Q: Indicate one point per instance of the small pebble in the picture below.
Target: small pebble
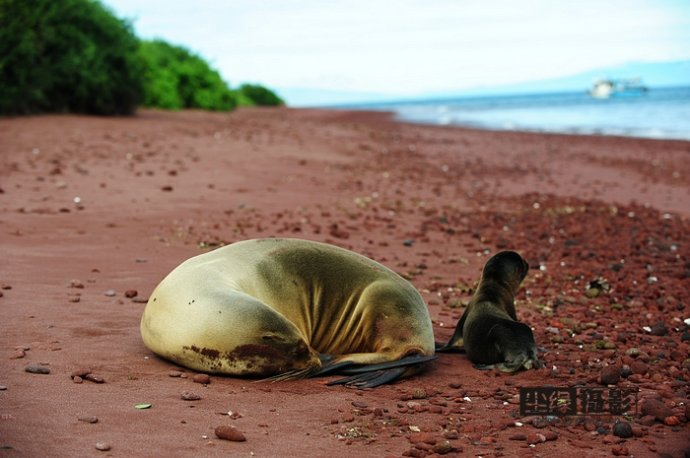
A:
(37, 369)
(3, 387)
(229, 433)
(656, 409)
(190, 396)
(204, 379)
(419, 393)
(94, 378)
(18, 354)
(130, 293)
(610, 375)
(671, 420)
(443, 447)
(88, 419)
(535, 438)
(76, 379)
(622, 429)
(103, 446)
(110, 293)
(620, 450)
(81, 372)
(174, 373)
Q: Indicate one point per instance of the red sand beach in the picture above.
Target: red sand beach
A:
(94, 212)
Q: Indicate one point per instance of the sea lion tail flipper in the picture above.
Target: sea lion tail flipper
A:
(410, 360)
(371, 375)
(370, 379)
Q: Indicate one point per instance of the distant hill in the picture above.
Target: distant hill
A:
(653, 74)
(660, 74)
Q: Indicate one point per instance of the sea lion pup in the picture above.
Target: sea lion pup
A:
(488, 331)
(286, 309)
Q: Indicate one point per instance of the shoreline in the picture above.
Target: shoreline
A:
(93, 208)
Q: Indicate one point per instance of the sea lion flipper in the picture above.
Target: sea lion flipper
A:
(329, 366)
(447, 348)
(456, 342)
(370, 379)
(402, 362)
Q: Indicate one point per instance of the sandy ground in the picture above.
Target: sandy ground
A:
(94, 212)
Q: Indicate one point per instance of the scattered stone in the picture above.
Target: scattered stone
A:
(103, 446)
(620, 450)
(419, 393)
(167, 188)
(671, 420)
(94, 378)
(610, 375)
(37, 369)
(81, 372)
(89, 419)
(408, 242)
(535, 438)
(204, 379)
(190, 396)
(131, 293)
(443, 447)
(633, 352)
(550, 435)
(659, 329)
(639, 367)
(622, 429)
(110, 293)
(76, 379)
(18, 354)
(3, 387)
(229, 433)
(76, 284)
(518, 437)
(174, 373)
(611, 439)
(656, 409)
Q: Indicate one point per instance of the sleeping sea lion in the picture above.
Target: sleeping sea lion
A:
(488, 331)
(289, 308)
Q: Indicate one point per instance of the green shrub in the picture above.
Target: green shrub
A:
(260, 95)
(66, 56)
(174, 78)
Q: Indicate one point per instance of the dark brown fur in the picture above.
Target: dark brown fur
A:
(489, 331)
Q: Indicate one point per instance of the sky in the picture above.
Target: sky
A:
(403, 48)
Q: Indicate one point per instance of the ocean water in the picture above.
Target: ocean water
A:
(659, 113)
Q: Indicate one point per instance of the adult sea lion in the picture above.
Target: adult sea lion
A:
(488, 331)
(289, 308)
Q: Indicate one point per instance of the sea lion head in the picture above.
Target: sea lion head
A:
(507, 267)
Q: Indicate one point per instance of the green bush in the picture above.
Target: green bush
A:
(260, 95)
(66, 56)
(174, 78)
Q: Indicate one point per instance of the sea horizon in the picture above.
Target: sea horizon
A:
(659, 112)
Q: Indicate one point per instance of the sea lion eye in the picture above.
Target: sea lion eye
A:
(270, 337)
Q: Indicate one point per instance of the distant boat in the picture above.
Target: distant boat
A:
(606, 88)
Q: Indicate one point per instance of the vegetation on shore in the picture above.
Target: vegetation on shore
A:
(76, 56)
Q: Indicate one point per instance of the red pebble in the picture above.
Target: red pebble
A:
(229, 433)
(671, 420)
(204, 379)
(619, 450)
(535, 438)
